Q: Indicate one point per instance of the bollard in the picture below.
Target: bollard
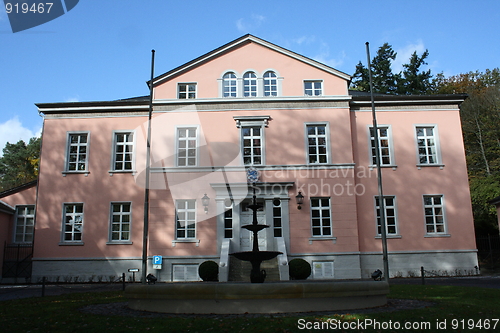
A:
(123, 281)
(422, 273)
(43, 286)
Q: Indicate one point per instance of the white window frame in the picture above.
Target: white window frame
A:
(316, 88)
(316, 137)
(69, 144)
(321, 270)
(189, 272)
(121, 224)
(131, 145)
(253, 156)
(394, 216)
(189, 94)
(435, 216)
(390, 148)
(230, 81)
(321, 218)
(270, 85)
(437, 145)
(247, 82)
(182, 224)
(24, 224)
(178, 144)
(75, 217)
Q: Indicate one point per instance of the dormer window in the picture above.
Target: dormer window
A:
(186, 90)
(270, 84)
(229, 84)
(250, 84)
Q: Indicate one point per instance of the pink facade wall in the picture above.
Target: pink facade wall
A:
(347, 179)
(257, 58)
(409, 183)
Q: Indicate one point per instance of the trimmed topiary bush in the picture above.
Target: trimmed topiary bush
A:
(209, 271)
(300, 269)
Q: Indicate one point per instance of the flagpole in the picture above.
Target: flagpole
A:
(148, 166)
(381, 202)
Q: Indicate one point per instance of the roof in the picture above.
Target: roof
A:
(6, 208)
(18, 188)
(238, 43)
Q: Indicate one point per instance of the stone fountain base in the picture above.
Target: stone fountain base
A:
(273, 297)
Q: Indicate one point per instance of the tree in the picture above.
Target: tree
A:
(19, 163)
(480, 116)
(412, 80)
(384, 81)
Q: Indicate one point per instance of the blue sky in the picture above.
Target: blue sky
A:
(101, 50)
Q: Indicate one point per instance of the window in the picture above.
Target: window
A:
(250, 84)
(252, 145)
(123, 151)
(434, 214)
(228, 219)
(185, 273)
(120, 221)
(73, 222)
(187, 143)
(25, 224)
(187, 90)
(77, 157)
(270, 84)
(320, 217)
(322, 269)
(229, 85)
(427, 145)
(389, 213)
(384, 144)
(185, 219)
(317, 144)
(277, 218)
(313, 88)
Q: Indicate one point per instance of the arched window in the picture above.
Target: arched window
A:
(250, 84)
(229, 84)
(270, 84)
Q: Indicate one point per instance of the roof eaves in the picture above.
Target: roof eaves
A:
(18, 188)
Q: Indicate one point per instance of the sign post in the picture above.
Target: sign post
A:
(157, 262)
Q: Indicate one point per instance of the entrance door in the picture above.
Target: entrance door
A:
(246, 236)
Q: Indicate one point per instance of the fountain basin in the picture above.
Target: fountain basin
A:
(240, 298)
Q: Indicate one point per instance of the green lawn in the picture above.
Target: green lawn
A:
(459, 308)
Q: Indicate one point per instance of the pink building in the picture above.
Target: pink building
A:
(247, 104)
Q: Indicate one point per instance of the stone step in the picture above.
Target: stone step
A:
(239, 270)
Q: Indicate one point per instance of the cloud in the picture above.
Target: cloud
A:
(13, 130)
(245, 25)
(326, 58)
(404, 54)
(73, 99)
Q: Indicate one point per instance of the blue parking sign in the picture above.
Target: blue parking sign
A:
(157, 260)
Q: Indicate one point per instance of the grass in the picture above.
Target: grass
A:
(457, 307)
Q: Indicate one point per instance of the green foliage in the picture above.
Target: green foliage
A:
(411, 81)
(19, 163)
(480, 115)
(209, 271)
(299, 269)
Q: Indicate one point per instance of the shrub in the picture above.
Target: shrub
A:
(299, 269)
(209, 271)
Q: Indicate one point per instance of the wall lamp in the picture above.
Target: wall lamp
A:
(300, 200)
(205, 201)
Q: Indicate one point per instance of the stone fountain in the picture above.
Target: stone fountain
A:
(256, 257)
